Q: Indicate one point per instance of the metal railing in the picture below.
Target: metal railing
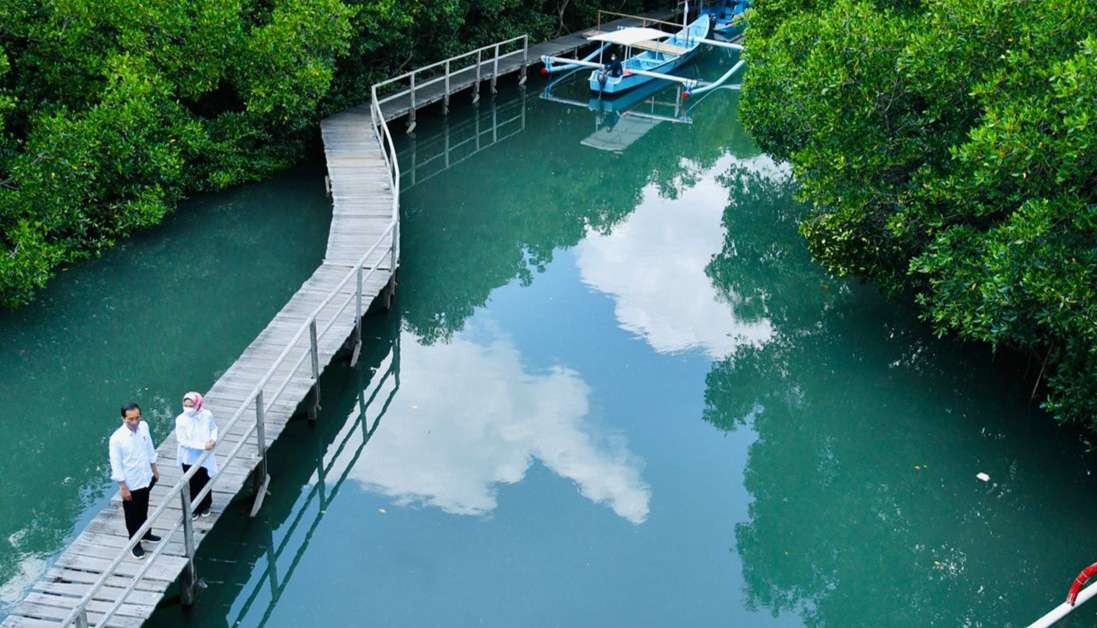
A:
(474, 62)
(644, 20)
(278, 582)
(79, 614)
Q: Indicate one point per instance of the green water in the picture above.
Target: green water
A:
(613, 390)
(163, 313)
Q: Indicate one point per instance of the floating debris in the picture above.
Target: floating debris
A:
(982, 476)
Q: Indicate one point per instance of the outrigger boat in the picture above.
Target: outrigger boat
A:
(662, 53)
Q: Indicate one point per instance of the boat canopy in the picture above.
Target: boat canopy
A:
(629, 36)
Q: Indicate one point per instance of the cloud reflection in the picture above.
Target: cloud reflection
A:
(653, 265)
(469, 418)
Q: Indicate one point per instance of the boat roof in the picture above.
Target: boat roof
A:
(629, 36)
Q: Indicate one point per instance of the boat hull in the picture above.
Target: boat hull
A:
(662, 63)
(728, 20)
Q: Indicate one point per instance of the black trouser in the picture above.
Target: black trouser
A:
(136, 510)
(197, 483)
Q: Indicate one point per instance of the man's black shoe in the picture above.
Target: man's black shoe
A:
(150, 537)
(138, 551)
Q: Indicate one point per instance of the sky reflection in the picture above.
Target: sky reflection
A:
(470, 418)
(653, 267)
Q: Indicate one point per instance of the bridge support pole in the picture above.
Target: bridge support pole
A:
(261, 479)
(314, 403)
(189, 576)
(82, 618)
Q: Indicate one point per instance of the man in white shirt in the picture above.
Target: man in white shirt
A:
(133, 466)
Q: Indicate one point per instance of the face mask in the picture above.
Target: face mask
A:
(189, 411)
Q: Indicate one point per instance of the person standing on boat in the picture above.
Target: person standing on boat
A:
(133, 466)
(196, 433)
(614, 68)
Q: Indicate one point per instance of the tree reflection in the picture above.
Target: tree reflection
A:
(865, 506)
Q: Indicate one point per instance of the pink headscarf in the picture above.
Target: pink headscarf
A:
(196, 398)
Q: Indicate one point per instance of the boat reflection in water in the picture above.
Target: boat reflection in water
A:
(621, 121)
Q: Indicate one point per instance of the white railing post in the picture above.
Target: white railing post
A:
(357, 320)
(82, 618)
(314, 352)
(476, 86)
(495, 70)
(261, 478)
(445, 104)
(187, 580)
(523, 73)
(411, 112)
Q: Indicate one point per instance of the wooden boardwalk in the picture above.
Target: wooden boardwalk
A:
(362, 211)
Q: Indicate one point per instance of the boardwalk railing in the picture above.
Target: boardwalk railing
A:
(437, 81)
(644, 20)
(321, 491)
(362, 270)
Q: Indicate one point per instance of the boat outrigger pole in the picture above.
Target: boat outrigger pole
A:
(568, 64)
(720, 44)
(688, 82)
(704, 87)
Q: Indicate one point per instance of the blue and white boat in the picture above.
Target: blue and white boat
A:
(728, 17)
(661, 53)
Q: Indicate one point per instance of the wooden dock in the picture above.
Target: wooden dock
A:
(95, 581)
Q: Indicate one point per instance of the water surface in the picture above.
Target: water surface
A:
(615, 390)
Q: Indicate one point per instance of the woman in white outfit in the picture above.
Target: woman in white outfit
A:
(196, 433)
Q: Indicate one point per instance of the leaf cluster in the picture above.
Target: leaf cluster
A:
(949, 150)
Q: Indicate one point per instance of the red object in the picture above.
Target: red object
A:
(544, 72)
(1079, 582)
(685, 95)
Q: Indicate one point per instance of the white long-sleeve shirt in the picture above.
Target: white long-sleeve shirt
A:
(132, 456)
(191, 434)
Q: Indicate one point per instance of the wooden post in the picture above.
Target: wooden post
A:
(495, 70)
(261, 478)
(411, 112)
(314, 406)
(476, 85)
(189, 575)
(445, 104)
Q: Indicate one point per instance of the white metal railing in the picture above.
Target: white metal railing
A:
(79, 614)
(411, 84)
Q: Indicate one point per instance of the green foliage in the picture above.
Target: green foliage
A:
(949, 149)
(111, 111)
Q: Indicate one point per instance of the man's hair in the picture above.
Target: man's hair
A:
(130, 406)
